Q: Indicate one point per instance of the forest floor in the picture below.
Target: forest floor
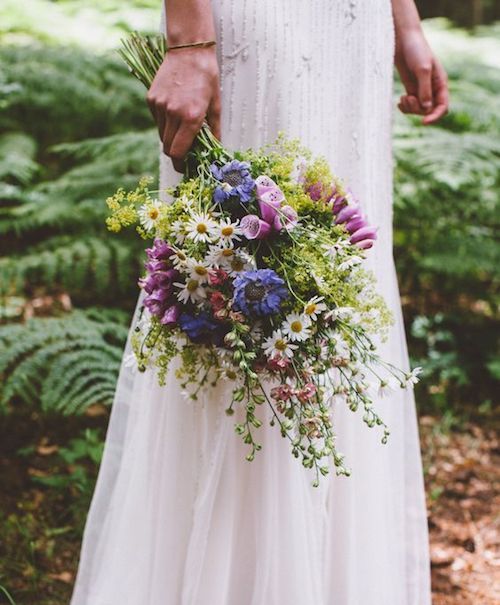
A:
(463, 477)
(39, 548)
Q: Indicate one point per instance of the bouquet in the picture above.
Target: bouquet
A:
(255, 276)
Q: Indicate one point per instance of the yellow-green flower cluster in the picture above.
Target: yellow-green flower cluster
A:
(123, 206)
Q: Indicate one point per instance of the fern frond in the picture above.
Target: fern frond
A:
(67, 363)
(17, 158)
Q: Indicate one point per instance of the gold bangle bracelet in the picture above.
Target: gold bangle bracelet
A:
(206, 44)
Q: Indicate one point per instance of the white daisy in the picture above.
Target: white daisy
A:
(200, 226)
(220, 256)
(231, 260)
(297, 326)
(149, 214)
(179, 259)
(277, 345)
(239, 262)
(314, 307)
(413, 377)
(192, 291)
(198, 270)
(179, 231)
(227, 232)
(384, 388)
(351, 262)
(333, 250)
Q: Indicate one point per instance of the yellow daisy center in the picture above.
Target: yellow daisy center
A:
(296, 326)
(201, 228)
(200, 270)
(227, 252)
(192, 285)
(280, 344)
(227, 230)
(153, 213)
(181, 255)
(310, 308)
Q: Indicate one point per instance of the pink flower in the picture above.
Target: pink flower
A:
(287, 218)
(269, 203)
(217, 301)
(365, 244)
(365, 233)
(347, 213)
(306, 392)
(283, 392)
(264, 183)
(320, 192)
(278, 363)
(254, 227)
(217, 277)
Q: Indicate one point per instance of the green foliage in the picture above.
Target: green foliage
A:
(76, 462)
(62, 364)
(447, 186)
(66, 94)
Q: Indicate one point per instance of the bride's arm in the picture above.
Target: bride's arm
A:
(423, 77)
(186, 87)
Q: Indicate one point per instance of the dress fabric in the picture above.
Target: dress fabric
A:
(179, 517)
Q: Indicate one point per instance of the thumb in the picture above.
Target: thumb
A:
(424, 83)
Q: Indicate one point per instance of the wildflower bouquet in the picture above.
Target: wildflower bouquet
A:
(255, 275)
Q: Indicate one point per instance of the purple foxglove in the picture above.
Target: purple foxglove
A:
(356, 223)
(171, 315)
(364, 233)
(365, 244)
(156, 265)
(347, 213)
(338, 204)
(287, 218)
(160, 250)
(269, 203)
(254, 227)
(263, 184)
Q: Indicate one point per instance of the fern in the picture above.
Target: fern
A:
(65, 364)
(102, 267)
(79, 93)
(17, 153)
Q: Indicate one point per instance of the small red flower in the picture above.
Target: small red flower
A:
(217, 277)
(217, 301)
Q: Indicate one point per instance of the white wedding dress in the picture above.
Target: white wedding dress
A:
(179, 517)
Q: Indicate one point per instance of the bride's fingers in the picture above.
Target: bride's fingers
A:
(410, 104)
(171, 127)
(182, 141)
(441, 96)
(424, 79)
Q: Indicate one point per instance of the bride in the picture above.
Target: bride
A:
(179, 517)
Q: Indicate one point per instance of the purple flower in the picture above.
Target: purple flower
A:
(236, 181)
(347, 213)
(160, 250)
(254, 227)
(319, 191)
(286, 219)
(171, 315)
(357, 222)
(259, 292)
(365, 233)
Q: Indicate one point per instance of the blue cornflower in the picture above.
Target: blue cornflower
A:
(201, 328)
(259, 292)
(236, 181)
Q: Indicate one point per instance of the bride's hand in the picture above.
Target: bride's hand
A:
(423, 77)
(183, 94)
